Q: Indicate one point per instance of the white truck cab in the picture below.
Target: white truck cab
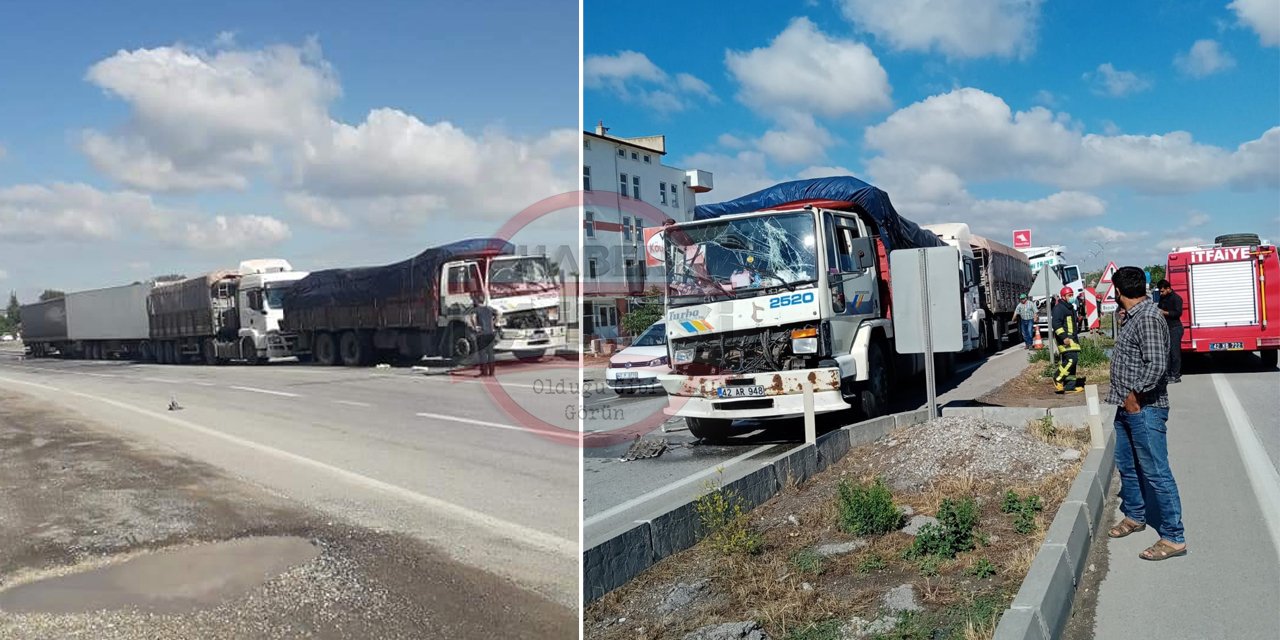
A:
(524, 291)
(262, 287)
(974, 324)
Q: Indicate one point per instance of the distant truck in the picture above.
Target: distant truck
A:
(1003, 274)
(976, 334)
(1231, 296)
(784, 288)
(96, 325)
(1053, 256)
(420, 307)
(222, 316)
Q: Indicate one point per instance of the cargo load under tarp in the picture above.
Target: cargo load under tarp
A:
(896, 231)
(197, 307)
(403, 294)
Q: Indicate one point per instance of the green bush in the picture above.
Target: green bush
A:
(807, 561)
(873, 562)
(867, 509)
(983, 569)
(953, 533)
(825, 630)
(1024, 510)
(728, 530)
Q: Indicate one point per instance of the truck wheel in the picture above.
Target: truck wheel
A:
(710, 430)
(249, 351)
(171, 352)
(984, 338)
(1269, 359)
(873, 397)
(144, 352)
(210, 352)
(462, 346)
(354, 349)
(325, 350)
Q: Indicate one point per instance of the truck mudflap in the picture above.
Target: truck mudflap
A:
(773, 394)
(531, 339)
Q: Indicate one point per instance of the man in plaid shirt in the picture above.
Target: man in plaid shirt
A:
(1138, 386)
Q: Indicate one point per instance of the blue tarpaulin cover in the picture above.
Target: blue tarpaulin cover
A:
(896, 231)
(415, 277)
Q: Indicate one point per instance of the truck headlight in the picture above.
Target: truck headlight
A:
(683, 356)
(804, 340)
(553, 314)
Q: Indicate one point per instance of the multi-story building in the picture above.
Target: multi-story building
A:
(627, 190)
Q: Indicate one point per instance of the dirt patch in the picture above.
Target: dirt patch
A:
(73, 497)
(1031, 389)
(792, 591)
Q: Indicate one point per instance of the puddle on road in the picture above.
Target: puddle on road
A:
(173, 581)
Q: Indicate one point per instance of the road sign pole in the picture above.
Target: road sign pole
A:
(929, 381)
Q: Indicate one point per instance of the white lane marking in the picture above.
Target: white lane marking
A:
(353, 403)
(102, 375)
(1262, 475)
(516, 532)
(616, 509)
(496, 425)
(444, 377)
(269, 392)
(33, 384)
(203, 384)
(164, 380)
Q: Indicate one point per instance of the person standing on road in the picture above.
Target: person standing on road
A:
(484, 319)
(1026, 312)
(1081, 316)
(1171, 308)
(1139, 363)
(1066, 335)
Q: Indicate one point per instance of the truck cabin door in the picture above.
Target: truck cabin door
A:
(253, 313)
(851, 259)
(462, 280)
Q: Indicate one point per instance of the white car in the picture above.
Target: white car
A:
(638, 366)
(6, 338)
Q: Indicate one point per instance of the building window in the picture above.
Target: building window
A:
(635, 156)
(591, 269)
(586, 178)
(589, 229)
(626, 227)
(635, 187)
(646, 158)
(622, 153)
(639, 229)
(606, 315)
(662, 192)
(622, 184)
(675, 197)
(586, 144)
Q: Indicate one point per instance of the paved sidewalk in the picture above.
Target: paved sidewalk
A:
(1228, 586)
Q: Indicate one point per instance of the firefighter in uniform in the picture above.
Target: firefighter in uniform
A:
(1067, 336)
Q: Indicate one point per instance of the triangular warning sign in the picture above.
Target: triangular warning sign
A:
(1107, 273)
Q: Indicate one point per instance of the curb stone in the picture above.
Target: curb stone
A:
(614, 562)
(1042, 606)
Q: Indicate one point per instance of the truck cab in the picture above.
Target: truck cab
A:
(260, 302)
(974, 324)
(524, 291)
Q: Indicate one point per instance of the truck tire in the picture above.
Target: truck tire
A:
(873, 396)
(210, 352)
(1269, 358)
(170, 352)
(354, 349)
(145, 354)
(325, 349)
(249, 351)
(710, 430)
(462, 345)
(1238, 240)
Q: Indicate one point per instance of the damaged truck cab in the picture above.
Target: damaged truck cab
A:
(782, 289)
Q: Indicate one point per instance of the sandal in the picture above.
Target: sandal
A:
(1125, 528)
(1162, 550)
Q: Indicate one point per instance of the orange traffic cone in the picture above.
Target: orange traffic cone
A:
(1038, 344)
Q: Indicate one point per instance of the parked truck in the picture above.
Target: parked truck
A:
(1231, 296)
(421, 306)
(976, 335)
(98, 324)
(222, 316)
(784, 288)
(1003, 273)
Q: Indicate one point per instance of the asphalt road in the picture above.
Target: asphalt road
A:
(487, 474)
(617, 493)
(1224, 437)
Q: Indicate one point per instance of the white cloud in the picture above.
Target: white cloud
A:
(4, 275)
(204, 120)
(976, 136)
(804, 70)
(1108, 234)
(1205, 58)
(633, 77)
(955, 28)
(75, 212)
(1045, 98)
(1197, 219)
(730, 141)
(798, 140)
(1108, 80)
(1263, 16)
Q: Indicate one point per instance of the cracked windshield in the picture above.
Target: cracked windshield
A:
(521, 276)
(737, 258)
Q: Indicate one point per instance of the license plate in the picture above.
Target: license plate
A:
(746, 391)
(628, 375)
(1226, 346)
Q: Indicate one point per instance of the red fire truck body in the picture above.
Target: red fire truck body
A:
(1231, 298)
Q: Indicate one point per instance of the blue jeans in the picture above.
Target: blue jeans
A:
(1027, 327)
(1142, 458)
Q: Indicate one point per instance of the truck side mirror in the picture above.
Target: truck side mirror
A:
(864, 254)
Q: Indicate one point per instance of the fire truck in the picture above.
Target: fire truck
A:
(1231, 294)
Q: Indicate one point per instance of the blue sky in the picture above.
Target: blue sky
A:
(1120, 123)
(139, 138)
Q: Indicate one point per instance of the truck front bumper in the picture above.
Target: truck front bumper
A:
(281, 345)
(531, 339)
(700, 396)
